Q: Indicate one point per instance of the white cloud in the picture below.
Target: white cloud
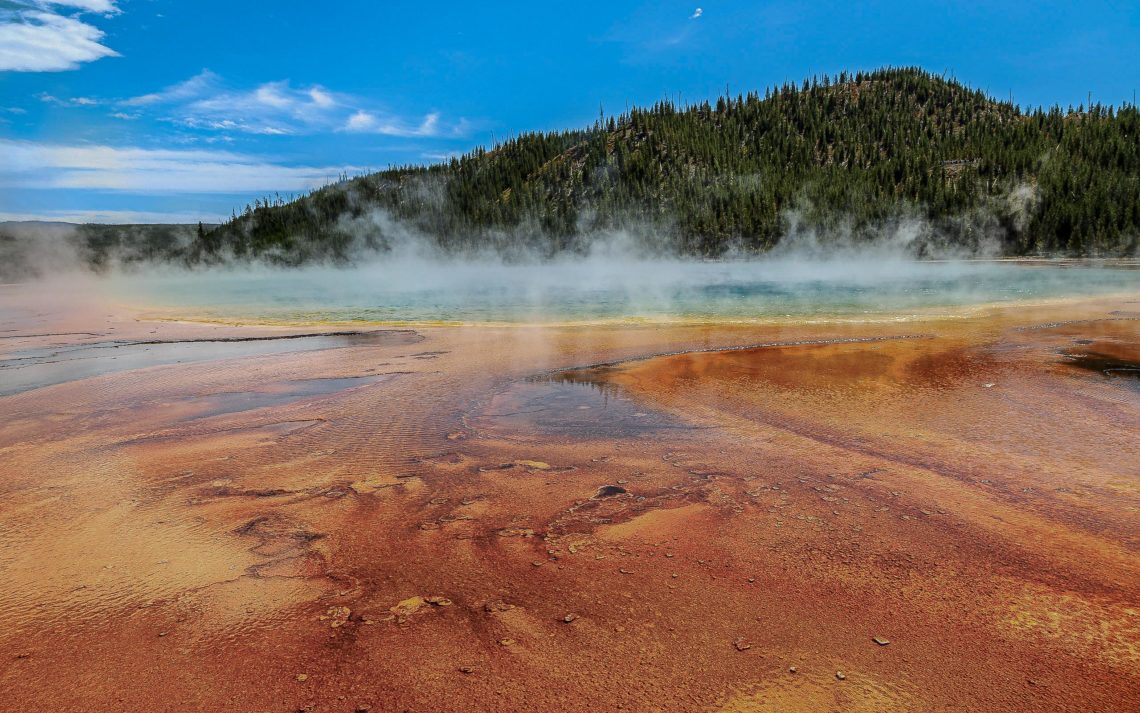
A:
(277, 108)
(320, 97)
(34, 37)
(132, 169)
(271, 95)
(106, 7)
(270, 108)
(194, 87)
(114, 216)
(363, 122)
(231, 125)
(74, 101)
(696, 13)
(360, 121)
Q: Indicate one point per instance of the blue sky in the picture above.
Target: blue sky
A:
(155, 110)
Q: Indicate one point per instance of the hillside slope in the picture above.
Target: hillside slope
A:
(843, 157)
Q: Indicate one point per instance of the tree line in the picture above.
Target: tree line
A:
(839, 155)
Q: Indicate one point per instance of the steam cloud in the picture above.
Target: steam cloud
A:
(388, 271)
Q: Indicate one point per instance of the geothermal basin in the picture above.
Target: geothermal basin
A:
(709, 486)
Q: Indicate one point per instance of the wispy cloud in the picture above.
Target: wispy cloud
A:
(205, 103)
(105, 7)
(654, 32)
(269, 108)
(193, 88)
(36, 35)
(72, 101)
(363, 122)
(118, 217)
(140, 170)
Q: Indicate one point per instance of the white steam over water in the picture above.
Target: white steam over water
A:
(606, 288)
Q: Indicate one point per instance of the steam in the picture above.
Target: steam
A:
(383, 269)
(1022, 201)
(995, 226)
(37, 250)
(616, 280)
(363, 235)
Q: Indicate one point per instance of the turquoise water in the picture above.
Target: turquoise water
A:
(418, 292)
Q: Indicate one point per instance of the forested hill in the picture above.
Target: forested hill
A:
(841, 156)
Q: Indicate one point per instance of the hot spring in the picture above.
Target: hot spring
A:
(418, 292)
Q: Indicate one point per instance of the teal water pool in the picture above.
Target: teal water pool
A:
(424, 292)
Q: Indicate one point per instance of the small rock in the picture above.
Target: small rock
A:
(840, 675)
(438, 601)
(625, 571)
(751, 580)
(506, 642)
(405, 608)
(880, 640)
(741, 644)
(162, 633)
(501, 466)
(337, 616)
(302, 677)
(363, 709)
(536, 563)
(466, 669)
(569, 618)
(609, 491)
(792, 669)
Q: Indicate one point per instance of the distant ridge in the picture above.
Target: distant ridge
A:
(847, 157)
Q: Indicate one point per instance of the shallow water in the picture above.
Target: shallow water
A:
(424, 292)
(21, 370)
(562, 406)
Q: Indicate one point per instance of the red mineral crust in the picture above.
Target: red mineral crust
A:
(930, 514)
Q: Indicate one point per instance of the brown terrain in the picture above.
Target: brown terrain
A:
(929, 514)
